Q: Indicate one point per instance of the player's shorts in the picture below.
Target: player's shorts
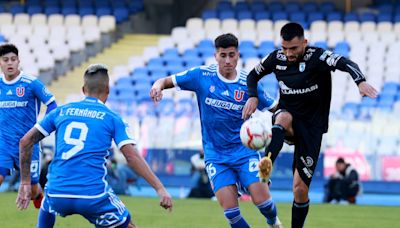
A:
(10, 161)
(105, 211)
(307, 140)
(244, 172)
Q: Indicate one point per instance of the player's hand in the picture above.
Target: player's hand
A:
(165, 199)
(24, 196)
(156, 93)
(367, 90)
(250, 107)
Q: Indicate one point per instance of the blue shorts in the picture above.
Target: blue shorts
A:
(243, 172)
(10, 161)
(105, 211)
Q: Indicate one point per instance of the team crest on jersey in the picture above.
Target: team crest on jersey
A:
(302, 66)
(20, 91)
(239, 94)
(212, 89)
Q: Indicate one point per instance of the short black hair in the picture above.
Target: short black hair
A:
(8, 48)
(340, 160)
(292, 30)
(226, 40)
(96, 78)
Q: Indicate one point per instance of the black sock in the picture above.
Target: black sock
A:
(299, 214)
(278, 137)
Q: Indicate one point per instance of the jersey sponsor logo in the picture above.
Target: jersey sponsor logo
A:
(259, 68)
(107, 219)
(308, 54)
(222, 104)
(225, 93)
(307, 172)
(286, 90)
(13, 104)
(239, 94)
(9, 92)
(212, 89)
(325, 54)
(208, 73)
(302, 66)
(20, 91)
(279, 67)
(83, 113)
(330, 58)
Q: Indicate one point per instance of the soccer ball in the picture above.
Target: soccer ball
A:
(254, 134)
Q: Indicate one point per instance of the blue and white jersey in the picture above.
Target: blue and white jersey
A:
(220, 104)
(84, 133)
(19, 107)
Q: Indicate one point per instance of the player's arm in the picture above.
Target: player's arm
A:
(263, 68)
(32, 137)
(137, 163)
(159, 86)
(51, 106)
(266, 101)
(336, 61)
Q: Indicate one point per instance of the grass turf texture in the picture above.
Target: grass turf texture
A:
(206, 213)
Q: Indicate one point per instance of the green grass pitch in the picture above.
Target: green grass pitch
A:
(206, 213)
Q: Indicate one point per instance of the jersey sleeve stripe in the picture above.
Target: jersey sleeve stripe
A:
(41, 129)
(50, 100)
(125, 142)
(173, 77)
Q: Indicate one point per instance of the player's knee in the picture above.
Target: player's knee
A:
(300, 192)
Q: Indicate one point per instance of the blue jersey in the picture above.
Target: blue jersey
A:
(220, 104)
(19, 107)
(84, 133)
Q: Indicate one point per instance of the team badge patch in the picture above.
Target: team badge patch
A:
(302, 66)
(239, 94)
(212, 89)
(20, 91)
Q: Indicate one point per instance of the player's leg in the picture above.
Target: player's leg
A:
(6, 163)
(3, 173)
(223, 182)
(282, 126)
(45, 218)
(259, 191)
(306, 155)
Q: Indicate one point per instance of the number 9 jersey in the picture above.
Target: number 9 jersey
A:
(84, 133)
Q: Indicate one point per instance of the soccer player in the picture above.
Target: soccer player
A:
(304, 75)
(76, 179)
(20, 98)
(221, 94)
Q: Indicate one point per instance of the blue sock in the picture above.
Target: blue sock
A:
(268, 209)
(46, 219)
(235, 218)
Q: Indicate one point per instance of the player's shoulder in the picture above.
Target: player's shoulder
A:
(27, 78)
(243, 74)
(312, 52)
(206, 70)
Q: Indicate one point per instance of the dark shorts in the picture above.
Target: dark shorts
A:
(307, 146)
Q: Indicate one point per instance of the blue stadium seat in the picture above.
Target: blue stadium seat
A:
(310, 7)
(367, 16)
(334, 16)
(34, 9)
(265, 48)
(276, 6)
(292, 7)
(68, 10)
(242, 15)
(241, 6)
(351, 110)
(384, 17)
(116, 4)
(174, 62)
(205, 43)
(2, 9)
(261, 15)
(246, 44)
(390, 87)
(396, 18)
(321, 44)
(135, 6)
(385, 8)
(207, 14)
(121, 14)
(226, 14)
(125, 81)
(102, 3)
(165, 107)
(184, 107)
(158, 73)
(51, 3)
(386, 99)
(155, 62)
(140, 72)
(173, 52)
(206, 52)
(368, 102)
(69, 3)
(327, 7)
(191, 52)
(297, 16)
(33, 2)
(280, 15)
(257, 6)
(48, 10)
(249, 53)
(352, 16)
(102, 11)
(224, 5)
(193, 62)
(342, 48)
(86, 10)
(17, 8)
(174, 69)
(315, 16)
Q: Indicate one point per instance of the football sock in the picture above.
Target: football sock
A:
(235, 218)
(278, 137)
(46, 219)
(268, 209)
(299, 214)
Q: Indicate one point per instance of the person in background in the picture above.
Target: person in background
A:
(343, 184)
(200, 182)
